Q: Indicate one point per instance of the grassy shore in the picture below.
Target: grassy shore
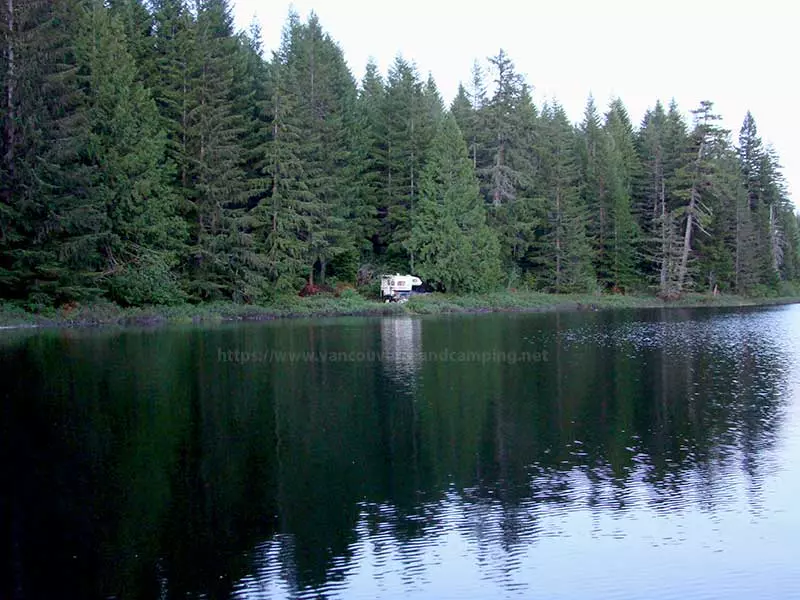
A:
(351, 303)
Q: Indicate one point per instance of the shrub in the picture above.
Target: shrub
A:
(146, 282)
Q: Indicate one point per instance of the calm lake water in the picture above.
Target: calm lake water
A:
(646, 454)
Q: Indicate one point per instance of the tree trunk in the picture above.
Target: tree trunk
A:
(474, 153)
(687, 240)
(558, 241)
(775, 241)
(10, 133)
(411, 199)
(496, 195)
(602, 237)
(184, 127)
(275, 169)
(738, 258)
(687, 236)
(664, 240)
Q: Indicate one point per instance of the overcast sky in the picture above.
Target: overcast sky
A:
(739, 55)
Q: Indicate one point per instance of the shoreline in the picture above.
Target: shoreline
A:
(354, 305)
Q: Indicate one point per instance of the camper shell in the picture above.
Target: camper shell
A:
(398, 288)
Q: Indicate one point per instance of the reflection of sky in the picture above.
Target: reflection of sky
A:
(579, 552)
(734, 539)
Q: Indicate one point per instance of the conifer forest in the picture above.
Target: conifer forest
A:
(153, 154)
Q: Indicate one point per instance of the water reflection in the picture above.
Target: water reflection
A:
(142, 465)
(401, 346)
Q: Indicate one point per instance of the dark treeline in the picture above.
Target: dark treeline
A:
(151, 154)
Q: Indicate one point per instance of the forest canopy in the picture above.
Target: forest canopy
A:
(152, 154)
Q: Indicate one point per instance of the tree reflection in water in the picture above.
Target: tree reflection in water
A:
(142, 465)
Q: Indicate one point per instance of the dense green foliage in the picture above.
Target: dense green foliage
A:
(449, 224)
(151, 154)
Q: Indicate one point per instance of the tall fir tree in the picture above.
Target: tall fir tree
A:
(766, 220)
(622, 169)
(504, 126)
(468, 109)
(369, 152)
(450, 227)
(661, 143)
(516, 221)
(594, 160)
(410, 121)
(565, 251)
(776, 203)
(694, 185)
(169, 78)
(282, 220)
(20, 74)
(128, 149)
(717, 250)
(136, 25)
(319, 108)
(65, 222)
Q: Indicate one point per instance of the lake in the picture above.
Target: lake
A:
(621, 454)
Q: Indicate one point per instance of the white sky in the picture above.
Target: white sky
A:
(739, 55)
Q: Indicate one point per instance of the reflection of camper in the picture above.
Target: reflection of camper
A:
(398, 288)
(401, 343)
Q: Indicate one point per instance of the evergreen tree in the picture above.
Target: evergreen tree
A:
(565, 251)
(169, 78)
(450, 228)
(468, 109)
(318, 95)
(505, 128)
(595, 163)
(746, 263)
(649, 191)
(18, 66)
(753, 219)
(662, 143)
(370, 153)
(128, 149)
(136, 24)
(766, 252)
(694, 184)
(250, 98)
(717, 250)
(790, 269)
(64, 223)
(215, 183)
(98, 217)
(775, 203)
(282, 221)
(475, 129)
(463, 113)
(410, 120)
(516, 221)
(622, 168)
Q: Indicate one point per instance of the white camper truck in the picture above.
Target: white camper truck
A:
(398, 288)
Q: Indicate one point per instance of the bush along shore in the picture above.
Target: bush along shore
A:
(351, 303)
